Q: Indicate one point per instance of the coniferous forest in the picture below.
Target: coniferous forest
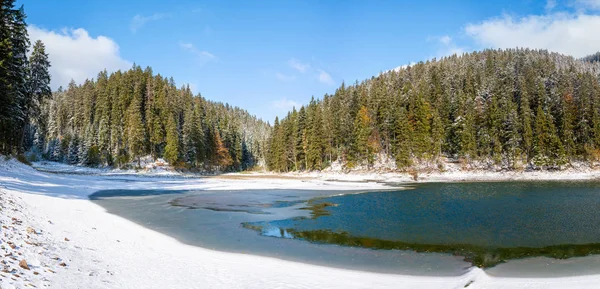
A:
(24, 81)
(119, 118)
(496, 109)
(500, 109)
(115, 119)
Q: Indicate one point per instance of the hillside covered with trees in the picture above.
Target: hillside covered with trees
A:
(495, 109)
(116, 119)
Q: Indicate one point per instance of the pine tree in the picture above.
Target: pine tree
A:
(190, 130)
(548, 149)
(14, 96)
(83, 152)
(39, 77)
(437, 135)
(526, 129)
(18, 74)
(314, 152)
(54, 150)
(301, 140)
(402, 149)
(420, 116)
(172, 148)
(466, 130)
(73, 154)
(494, 125)
(198, 133)
(510, 134)
(362, 131)
(567, 124)
(135, 130)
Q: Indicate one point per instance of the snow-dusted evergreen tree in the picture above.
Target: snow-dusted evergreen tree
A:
(55, 150)
(82, 151)
(15, 98)
(172, 147)
(482, 108)
(39, 77)
(124, 115)
(73, 151)
(190, 136)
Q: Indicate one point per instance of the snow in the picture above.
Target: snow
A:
(383, 171)
(107, 251)
(149, 167)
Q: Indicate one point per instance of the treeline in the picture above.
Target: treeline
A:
(511, 109)
(116, 119)
(592, 58)
(24, 81)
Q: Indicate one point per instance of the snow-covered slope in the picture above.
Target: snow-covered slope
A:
(106, 251)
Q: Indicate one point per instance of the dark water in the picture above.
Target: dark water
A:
(213, 219)
(485, 224)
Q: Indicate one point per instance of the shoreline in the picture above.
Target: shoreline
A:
(452, 173)
(107, 251)
(434, 177)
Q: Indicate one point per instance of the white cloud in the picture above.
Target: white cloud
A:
(571, 34)
(297, 65)
(187, 46)
(284, 77)
(207, 54)
(446, 40)
(590, 4)
(324, 77)
(201, 54)
(306, 68)
(75, 55)
(446, 46)
(284, 104)
(550, 4)
(398, 68)
(138, 21)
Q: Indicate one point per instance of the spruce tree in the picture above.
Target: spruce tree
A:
(172, 148)
(39, 77)
(402, 149)
(135, 130)
(315, 146)
(362, 131)
(73, 154)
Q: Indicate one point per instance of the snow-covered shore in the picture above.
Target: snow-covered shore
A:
(107, 251)
(453, 176)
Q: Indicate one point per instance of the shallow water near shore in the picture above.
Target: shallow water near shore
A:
(455, 223)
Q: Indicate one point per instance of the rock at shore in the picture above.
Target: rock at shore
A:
(23, 264)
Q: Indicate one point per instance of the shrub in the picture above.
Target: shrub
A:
(93, 156)
(23, 159)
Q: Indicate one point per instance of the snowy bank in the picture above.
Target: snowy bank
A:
(107, 251)
(451, 172)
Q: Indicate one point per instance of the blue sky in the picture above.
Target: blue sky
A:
(266, 56)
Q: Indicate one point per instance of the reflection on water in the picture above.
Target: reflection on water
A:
(431, 229)
(486, 223)
(212, 219)
(277, 232)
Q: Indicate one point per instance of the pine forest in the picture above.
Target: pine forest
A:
(496, 109)
(510, 109)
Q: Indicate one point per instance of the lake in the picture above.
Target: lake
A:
(425, 229)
